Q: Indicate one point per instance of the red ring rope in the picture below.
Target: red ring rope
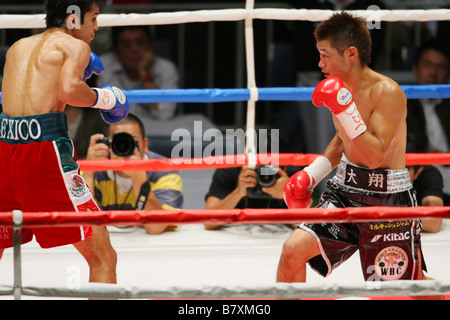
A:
(258, 216)
(240, 216)
(229, 161)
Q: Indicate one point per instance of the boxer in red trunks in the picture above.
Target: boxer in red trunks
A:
(38, 164)
(369, 114)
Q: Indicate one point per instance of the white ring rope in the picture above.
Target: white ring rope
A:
(278, 290)
(250, 148)
(36, 21)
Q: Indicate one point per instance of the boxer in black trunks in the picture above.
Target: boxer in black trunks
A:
(392, 245)
(369, 114)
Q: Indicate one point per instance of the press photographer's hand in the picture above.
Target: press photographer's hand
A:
(276, 190)
(247, 179)
(97, 151)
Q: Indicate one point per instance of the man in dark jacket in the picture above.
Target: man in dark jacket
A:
(428, 119)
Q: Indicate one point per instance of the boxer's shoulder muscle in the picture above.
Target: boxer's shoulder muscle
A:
(385, 89)
(33, 68)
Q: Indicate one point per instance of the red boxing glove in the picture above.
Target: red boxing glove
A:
(297, 191)
(332, 93)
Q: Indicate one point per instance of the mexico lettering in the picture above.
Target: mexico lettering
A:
(15, 130)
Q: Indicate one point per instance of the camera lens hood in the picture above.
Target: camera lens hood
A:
(123, 144)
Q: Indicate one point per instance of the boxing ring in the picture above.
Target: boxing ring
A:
(197, 264)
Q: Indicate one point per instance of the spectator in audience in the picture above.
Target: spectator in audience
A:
(427, 180)
(240, 188)
(132, 64)
(132, 190)
(428, 119)
(428, 183)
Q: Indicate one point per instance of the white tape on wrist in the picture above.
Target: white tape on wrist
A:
(106, 99)
(318, 170)
(352, 121)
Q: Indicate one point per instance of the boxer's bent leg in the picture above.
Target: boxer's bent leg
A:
(96, 249)
(53, 184)
(323, 246)
(100, 256)
(298, 249)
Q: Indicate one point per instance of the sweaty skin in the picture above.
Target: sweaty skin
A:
(45, 72)
(382, 105)
(42, 74)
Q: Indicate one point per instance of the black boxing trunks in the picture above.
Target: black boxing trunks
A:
(389, 250)
(39, 173)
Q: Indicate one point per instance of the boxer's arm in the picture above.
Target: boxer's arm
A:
(71, 87)
(386, 119)
(297, 191)
(334, 151)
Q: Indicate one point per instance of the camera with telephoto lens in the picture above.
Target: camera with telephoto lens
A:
(122, 144)
(266, 176)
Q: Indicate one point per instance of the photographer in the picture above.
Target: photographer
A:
(132, 190)
(241, 188)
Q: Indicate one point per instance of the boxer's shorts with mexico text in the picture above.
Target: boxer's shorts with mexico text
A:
(39, 173)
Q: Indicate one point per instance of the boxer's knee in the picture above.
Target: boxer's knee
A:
(298, 249)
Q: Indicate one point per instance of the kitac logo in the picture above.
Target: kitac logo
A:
(392, 237)
(391, 263)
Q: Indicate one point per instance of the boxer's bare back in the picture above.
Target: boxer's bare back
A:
(44, 72)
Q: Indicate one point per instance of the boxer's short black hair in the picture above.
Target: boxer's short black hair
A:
(344, 30)
(58, 10)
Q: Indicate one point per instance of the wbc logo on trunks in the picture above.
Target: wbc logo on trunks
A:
(391, 263)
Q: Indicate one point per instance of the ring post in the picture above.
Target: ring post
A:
(17, 239)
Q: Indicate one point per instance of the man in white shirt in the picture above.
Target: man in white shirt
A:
(133, 65)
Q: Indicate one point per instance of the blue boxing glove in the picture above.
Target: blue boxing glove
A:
(95, 66)
(113, 104)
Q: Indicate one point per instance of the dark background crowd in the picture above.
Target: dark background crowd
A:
(212, 55)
